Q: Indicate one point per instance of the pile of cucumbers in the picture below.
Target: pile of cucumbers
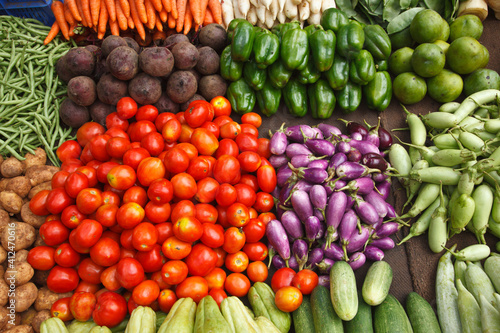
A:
(314, 69)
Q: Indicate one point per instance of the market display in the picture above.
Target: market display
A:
(142, 192)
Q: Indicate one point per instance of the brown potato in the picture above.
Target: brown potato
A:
(3, 255)
(4, 219)
(28, 315)
(4, 318)
(39, 318)
(20, 274)
(40, 173)
(40, 278)
(21, 256)
(20, 329)
(45, 298)
(11, 202)
(13, 319)
(39, 158)
(11, 167)
(3, 183)
(40, 187)
(30, 218)
(24, 236)
(4, 292)
(39, 240)
(20, 185)
(25, 296)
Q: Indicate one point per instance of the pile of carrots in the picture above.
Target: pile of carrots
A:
(122, 15)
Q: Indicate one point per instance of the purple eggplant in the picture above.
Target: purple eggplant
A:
(373, 253)
(351, 200)
(300, 161)
(366, 212)
(343, 147)
(385, 138)
(379, 177)
(373, 136)
(284, 195)
(276, 235)
(312, 175)
(317, 133)
(303, 185)
(351, 170)
(278, 142)
(354, 127)
(319, 214)
(302, 205)
(357, 136)
(358, 240)
(315, 257)
(324, 280)
(386, 229)
(322, 164)
(313, 227)
(329, 130)
(291, 222)
(364, 147)
(335, 161)
(384, 188)
(299, 133)
(276, 192)
(334, 251)
(354, 155)
(377, 163)
(367, 156)
(378, 202)
(318, 196)
(278, 161)
(278, 262)
(300, 250)
(325, 266)
(334, 185)
(280, 211)
(348, 226)
(362, 186)
(385, 243)
(297, 149)
(284, 175)
(391, 212)
(322, 231)
(293, 263)
(334, 212)
(321, 147)
(356, 260)
(271, 253)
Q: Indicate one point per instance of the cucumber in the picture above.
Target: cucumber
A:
(362, 322)
(377, 283)
(343, 290)
(324, 316)
(390, 317)
(421, 315)
(303, 318)
(492, 269)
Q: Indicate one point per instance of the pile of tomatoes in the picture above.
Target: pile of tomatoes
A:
(153, 209)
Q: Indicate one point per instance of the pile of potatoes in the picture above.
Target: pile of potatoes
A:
(31, 301)
(169, 75)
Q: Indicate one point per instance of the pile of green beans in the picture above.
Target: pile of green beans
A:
(450, 170)
(30, 91)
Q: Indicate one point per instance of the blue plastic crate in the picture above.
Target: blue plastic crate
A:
(39, 10)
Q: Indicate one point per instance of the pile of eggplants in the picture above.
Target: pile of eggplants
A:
(331, 197)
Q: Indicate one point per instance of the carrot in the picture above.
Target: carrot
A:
(103, 20)
(216, 9)
(141, 10)
(157, 4)
(125, 5)
(188, 20)
(209, 18)
(159, 36)
(196, 10)
(52, 33)
(159, 23)
(171, 21)
(74, 9)
(86, 12)
(68, 16)
(58, 10)
(80, 10)
(167, 6)
(182, 9)
(95, 7)
(175, 9)
(115, 29)
(110, 6)
(130, 22)
(72, 29)
(120, 17)
(137, 21)
(163, 15)
(150, 11)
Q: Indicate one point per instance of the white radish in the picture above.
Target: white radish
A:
(266, 3)
(304, 11)
(291, 10)
(314, 18)
(227, 12)
(261, 24)
(328, 4)
(237, 11)
(274, 8)
(255, 3)
(261, 13)
(281, 4)
(281, 17)
(252, 15)
(244, 7)
(296, 2)
(269, 19)
(315, 6)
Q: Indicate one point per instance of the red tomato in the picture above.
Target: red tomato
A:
(227, 170)
(234, 240)
(264, 202)
(89, 271)
(97, 146)
(157, 213)
(174, 272)
(134, 156)
(160, 191)
(86, 156)
(54, 233)
(171, 131)
(201, 260)
(206, 190)
(146, 112)
(140, 129)
(186, 133)
(88, 200)
(151, 260)
(113, 120)
(237, 284)
(221, 105)
(176, 160)
(116, 147)
(222, 216)
(213, 235)
(166, 300)
(106, 252)
(195, 287)
(249, 161)
(115, 132)
(196, 113)
(129, 215)
(129, 273)
(238, 214)
(62, 279)
(266, 177)
(91, 174)
(71, 164)
(206, 213)
(150, 169)
(256, 251)
(226, 195)
(205, 141)
(68, 149)
(184, 186)
(144, 236)
(182, 209)
(41, 258)
(57, 200)
(230, 130)
(173, 248)
(252, 118)
(198, 168)
(154, 143)
(237, 262)
(108, 278)
(212, 128)
(146, 292)
(282, 278)
(59, 178)
(257, 271)
(263, 149)
(126, 239)
(305, 280)
(249, 129)
(162, 119)
(106, 215)
(135, 194)
(103, 170)
(189, 148)
(188, 229)
(218, 294)
(266, 217)
(88, 233)
(250, 180)
(121, 177)
(75, 182)
(221, 256)
(87, 131)
(82, 304)
(60, 309)
(66, 256)
(110, 310)
(288, 299)
(165, 230)
(227, 147)
(88, 287)
(247, 142)
(39, 202)
(254, 230)
(126, 107)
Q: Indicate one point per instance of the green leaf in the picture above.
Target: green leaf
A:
(391, 10)
(403, 20)
(405, 4)
(347, 7)
(437, 5)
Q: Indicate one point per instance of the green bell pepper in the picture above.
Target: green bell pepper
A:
(322, 99)
(333, 19)
(294, 47)
(338, 74)
(322, 44)
(268, 99)
(280, 29)
(241, 96)
(362, 68)
(295, 95)
(350, 40)
(381, 65)
(378, 92)
(278, 74)
(253, 75)
(266, 48)
(242, 41)
(309, 74)
(232, 25)
(377, 41)
(229, 68)
(349, 97)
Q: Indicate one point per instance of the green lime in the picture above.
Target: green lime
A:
(486, 57)
(409, 88)
(443, 45)
(465, 55)
(445, 87)
(401, 39)
(400, 61)
(427, 26)
(481, 79)
(466, 25)
(428, 60)
(445, 32)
